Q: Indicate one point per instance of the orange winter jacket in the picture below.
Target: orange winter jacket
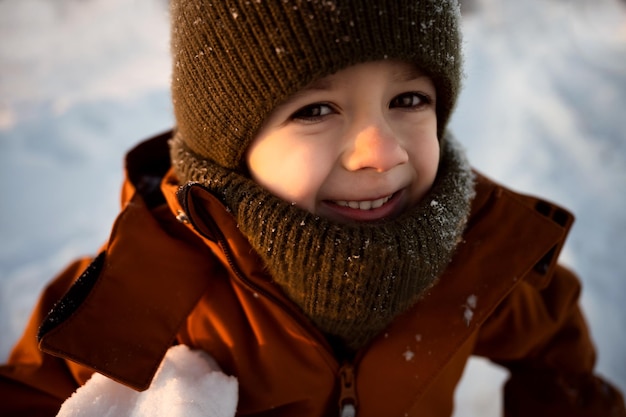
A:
(176, 270)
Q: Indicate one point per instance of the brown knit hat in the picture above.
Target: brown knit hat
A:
(234, 61)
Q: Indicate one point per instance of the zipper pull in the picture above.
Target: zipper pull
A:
(347, 396)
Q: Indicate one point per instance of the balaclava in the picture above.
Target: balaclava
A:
(234, 62)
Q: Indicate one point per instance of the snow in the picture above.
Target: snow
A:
(542, 111)
(188, 383)
(472, 300)
(468, 309)
(468, 315)
(348, 410)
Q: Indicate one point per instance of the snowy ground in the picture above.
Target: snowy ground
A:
(83, 80)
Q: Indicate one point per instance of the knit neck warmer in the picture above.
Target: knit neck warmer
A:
(351, 280)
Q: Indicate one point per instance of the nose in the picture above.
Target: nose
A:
(374, 147)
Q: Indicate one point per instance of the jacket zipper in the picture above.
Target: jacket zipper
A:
(347, 396)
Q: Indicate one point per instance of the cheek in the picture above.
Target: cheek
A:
(425, 157)
(290, 170)
(429, 158)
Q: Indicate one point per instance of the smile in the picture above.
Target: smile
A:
(365, 204)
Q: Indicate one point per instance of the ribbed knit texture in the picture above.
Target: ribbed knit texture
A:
(351, 280)
(235, 60)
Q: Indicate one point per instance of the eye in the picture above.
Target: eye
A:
(409, 101)
(313, 112)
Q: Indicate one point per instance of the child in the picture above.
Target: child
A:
(313, 227)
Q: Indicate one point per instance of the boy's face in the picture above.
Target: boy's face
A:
(358, 145)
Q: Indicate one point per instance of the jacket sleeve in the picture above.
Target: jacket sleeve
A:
(540, 335)
(34, 383)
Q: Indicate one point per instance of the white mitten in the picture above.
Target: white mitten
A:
(188, 383)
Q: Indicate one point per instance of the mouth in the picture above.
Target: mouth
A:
(364, 204)
(364, 210)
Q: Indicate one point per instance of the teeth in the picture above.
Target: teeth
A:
(364, 205)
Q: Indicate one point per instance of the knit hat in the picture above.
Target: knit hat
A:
(234, 61)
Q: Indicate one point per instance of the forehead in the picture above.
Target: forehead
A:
(395, 71)
(398, 71)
